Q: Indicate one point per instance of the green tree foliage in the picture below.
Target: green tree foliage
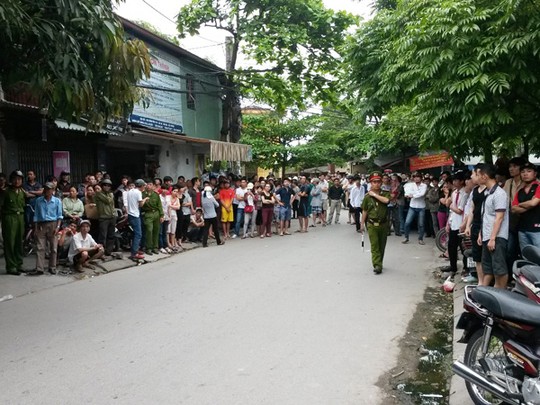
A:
(295, 41)
(72, 56)
(273, 140)
(466, 71)
(304, 142)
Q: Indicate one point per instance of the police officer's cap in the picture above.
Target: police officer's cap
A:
(375, 176)
(16, 173)
(106, 181)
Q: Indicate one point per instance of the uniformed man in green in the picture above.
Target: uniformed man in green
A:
(12, 204)
(152, 214)
(374, 213)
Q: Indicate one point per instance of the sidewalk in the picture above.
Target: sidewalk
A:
(458, 392)
(18, 286)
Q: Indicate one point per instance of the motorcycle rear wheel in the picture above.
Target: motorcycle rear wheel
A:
(497, 356)
(441, 240)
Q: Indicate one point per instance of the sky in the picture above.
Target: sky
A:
(210, 43)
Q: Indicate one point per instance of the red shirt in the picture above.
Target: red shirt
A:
(226, 196)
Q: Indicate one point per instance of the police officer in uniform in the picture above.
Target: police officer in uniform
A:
(375, 209)
(12, 205)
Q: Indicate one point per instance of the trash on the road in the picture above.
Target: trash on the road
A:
(401, 387)
(448, 286)
(6, 297)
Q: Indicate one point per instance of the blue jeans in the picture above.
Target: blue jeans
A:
(411, 214)
(529, 238)
(135, 223)
(239, 220)
(163, 235)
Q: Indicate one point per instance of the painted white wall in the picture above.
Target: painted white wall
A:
(178, 159)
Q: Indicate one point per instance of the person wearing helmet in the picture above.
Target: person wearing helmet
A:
(104, 199)
(12, 205)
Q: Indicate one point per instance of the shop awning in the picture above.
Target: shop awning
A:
(235, 152)
(226, 151)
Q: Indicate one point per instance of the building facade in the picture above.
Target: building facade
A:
(176, 134)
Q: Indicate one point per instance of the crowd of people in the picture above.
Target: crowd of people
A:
(76, 222)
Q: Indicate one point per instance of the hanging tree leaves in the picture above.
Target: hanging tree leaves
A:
(466, 69)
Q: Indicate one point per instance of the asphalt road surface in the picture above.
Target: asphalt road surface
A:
(297, 319)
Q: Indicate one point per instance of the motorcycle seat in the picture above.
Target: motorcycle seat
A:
(531, 272)
(508, 305)
(531, 253)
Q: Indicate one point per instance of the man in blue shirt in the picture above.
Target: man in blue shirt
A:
(284, 196)
(47, 220)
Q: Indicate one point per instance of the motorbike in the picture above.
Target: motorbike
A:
(527, 273)
(123, 232)
(502, 358)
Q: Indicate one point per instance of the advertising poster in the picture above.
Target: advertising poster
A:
(165, 110)
(61, 162)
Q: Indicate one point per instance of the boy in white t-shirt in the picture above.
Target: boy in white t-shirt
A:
(83, 248)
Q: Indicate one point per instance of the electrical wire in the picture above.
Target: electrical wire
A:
(175, 23)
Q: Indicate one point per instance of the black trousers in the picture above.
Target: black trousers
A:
(453, 245)
(182, 227)
(213, 222)
(106, 234)
(357, 216)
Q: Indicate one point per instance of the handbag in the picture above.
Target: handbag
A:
(248, 209)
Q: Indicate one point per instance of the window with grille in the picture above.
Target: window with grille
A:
(190, 95)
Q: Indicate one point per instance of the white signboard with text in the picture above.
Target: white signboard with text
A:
(165, 109)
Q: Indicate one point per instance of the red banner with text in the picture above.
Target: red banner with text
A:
(429, 161)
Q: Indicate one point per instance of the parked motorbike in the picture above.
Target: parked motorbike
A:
(502, 359)
(123, 233)
(527, 273)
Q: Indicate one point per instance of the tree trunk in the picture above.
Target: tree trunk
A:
(488, 153)
(231, 110)
(526, 147)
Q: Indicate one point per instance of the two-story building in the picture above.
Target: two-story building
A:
(177, 134)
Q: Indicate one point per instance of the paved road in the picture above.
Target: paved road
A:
(289, 320)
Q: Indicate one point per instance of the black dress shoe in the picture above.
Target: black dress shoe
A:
(35, 273)
(14, 273)
(52, 271)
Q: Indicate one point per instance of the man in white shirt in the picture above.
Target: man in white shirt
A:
(240, 192)
(459, 198)
(134, 202)
(415, 192)
(358, 192)
(83, 248)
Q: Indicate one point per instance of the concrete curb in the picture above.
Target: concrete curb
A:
(13, 287)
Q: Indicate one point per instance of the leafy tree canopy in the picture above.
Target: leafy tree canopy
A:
(296, 41)
(305, 142)
(466, 70)
(72, 56)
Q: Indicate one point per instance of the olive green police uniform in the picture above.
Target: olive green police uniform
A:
(12, 205)
(152, 212)
(377, 227)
